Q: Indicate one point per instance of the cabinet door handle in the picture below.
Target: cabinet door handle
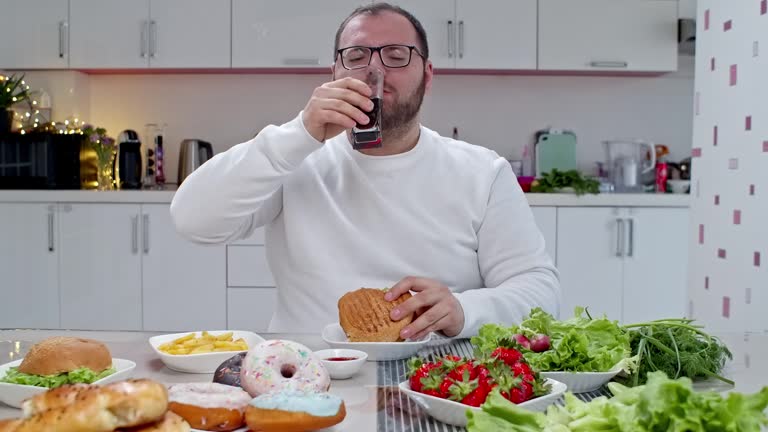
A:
(145, 229)
(619, 237)
(50, 230)
(143, 41)
(62, 38)
(134, 235)
(153, 38)
(450, 38)
(609, 64)
(461, 39)
(631, 245)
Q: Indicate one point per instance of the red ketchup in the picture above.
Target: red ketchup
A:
(341, 358)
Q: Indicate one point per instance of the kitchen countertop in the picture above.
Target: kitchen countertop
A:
(370, 406)
(165, 195)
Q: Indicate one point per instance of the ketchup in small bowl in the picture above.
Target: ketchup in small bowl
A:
(342, 363)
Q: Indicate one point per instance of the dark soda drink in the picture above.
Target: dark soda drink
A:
(373, 115)
(365, 136)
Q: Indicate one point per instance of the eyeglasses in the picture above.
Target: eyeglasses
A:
(392, 56)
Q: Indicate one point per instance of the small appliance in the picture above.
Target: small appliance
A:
(128, 164)
(192, 154)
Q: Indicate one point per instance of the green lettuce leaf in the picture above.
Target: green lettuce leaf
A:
(662, 404)
(77, 376)
(579, 344)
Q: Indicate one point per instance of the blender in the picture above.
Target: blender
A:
(627, 161)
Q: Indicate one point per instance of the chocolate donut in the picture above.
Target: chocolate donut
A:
(228, 373)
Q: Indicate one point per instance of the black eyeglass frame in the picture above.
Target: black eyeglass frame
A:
(411, 49)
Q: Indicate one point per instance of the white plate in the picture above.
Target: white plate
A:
(334, 336)
(582, 382)
(455, 413)
(204, 362)
(15, 394)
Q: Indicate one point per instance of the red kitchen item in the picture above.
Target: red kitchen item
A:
(525, 182)
(662, 174)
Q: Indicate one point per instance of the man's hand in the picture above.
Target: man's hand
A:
(336, 106)
(435, 306)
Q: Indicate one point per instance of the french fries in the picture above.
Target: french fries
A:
(205, 343)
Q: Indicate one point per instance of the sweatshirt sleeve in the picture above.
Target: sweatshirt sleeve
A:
(518, 273)
(241, 188)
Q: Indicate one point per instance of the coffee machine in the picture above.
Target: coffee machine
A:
(128, 164)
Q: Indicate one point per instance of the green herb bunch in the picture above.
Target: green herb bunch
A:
(553, 181)
(678, 348)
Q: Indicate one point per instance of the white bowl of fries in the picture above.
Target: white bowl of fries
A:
(202, 351)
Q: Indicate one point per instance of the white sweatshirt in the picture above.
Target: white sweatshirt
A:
(337, 220)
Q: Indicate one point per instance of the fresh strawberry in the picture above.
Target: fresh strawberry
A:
(478, 396)
(516, 395)
(510, 356)
(482, 373)
(462, 387)
(445, 387)
(457, 373)
(436, 383)
(418, 369)
(520, 368)
(451, 357)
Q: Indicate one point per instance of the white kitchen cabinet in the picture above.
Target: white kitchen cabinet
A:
(100, 266)
(546, 220)
(190, 33)
(438, 17)
(496, 34)
(288, 33)
(608, 35)
(109, 34)
(629, 263)
(29, 266)
(250, 308)
(656, 264)
(480, 34)
(183, 283)
(587, 258)
(34, 34)
(247, 267)
(150, 33)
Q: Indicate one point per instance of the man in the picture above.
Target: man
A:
(443, 219)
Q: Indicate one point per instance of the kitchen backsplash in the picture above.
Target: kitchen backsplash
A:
(728, 278)
(499, 112)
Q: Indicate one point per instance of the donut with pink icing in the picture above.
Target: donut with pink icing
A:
(277, 365)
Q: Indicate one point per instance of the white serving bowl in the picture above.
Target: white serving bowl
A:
(582, 382)
(334, 336)
(455, 413)
(342, 369)
(15, 394)
(203, 362)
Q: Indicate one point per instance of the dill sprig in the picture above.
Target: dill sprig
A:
(678, 348)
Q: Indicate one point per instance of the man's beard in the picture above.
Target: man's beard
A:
(397, 119)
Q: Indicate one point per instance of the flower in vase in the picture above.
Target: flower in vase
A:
(105, 149)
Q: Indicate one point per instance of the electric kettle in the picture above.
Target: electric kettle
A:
(192, 154)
